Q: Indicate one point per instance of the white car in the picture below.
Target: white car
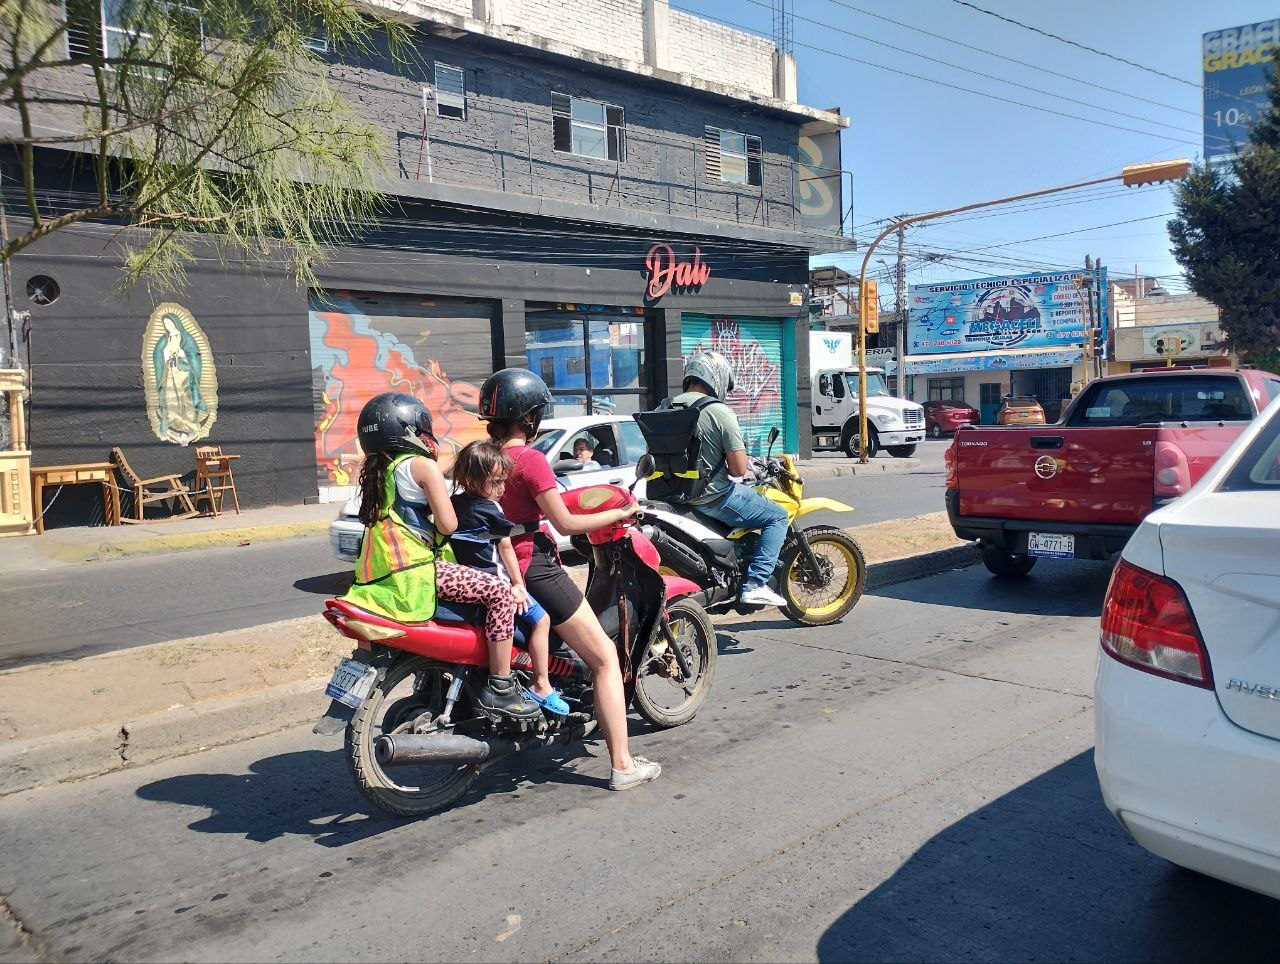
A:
(1188, 683)
(617, 443)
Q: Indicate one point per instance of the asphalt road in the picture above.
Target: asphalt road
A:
(915, 783)
(75, 611)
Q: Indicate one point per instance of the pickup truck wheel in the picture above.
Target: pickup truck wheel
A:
(902, 451)
(1006, 565)
(852, 442)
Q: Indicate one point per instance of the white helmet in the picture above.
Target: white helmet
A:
(713, 370)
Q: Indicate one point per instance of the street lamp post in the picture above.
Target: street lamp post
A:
(1132, 175)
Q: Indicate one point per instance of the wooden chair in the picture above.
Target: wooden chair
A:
(214, 479)
(147, 491)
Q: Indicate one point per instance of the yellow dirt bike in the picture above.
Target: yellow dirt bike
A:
(821, 571)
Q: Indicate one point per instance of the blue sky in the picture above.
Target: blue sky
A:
(916, 146)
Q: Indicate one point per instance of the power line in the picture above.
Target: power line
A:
(1012, 60)
(942, 83)
(968, 70)
(1073, 43)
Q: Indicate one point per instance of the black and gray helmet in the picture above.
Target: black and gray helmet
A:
(516, 395)
(713, 370)
(394, 422)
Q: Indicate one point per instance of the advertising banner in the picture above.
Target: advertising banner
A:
(1235, 65)
(1152, 342)
(993, 361)
(1044, 310)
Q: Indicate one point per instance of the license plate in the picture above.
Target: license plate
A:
(351, 683)
(1052, 545)
(349, 542)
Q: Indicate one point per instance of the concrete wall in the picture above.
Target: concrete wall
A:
(721, 54)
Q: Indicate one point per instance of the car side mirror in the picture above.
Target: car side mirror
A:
(563, 466)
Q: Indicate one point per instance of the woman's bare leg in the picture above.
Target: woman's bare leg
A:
(583, 633)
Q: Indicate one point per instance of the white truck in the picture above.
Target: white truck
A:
(892, 423)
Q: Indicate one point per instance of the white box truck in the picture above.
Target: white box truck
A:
(893, 424)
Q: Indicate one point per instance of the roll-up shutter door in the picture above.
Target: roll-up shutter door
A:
(754, 347)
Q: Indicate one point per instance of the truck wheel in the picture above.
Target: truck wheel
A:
(851, 443)
(902, 451)
(1006, 565)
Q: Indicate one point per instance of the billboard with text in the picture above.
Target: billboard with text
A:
(1044, 310)
(1235, 63)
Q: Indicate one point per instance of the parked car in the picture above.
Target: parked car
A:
(943, 418)
(1187, 692)
(616, 442)
(1079, 488)
(1020, 411)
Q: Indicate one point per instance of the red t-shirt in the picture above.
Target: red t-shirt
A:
(530, 476)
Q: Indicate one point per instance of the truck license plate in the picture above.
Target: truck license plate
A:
(351, 683)
(1052, 545)
(349, 542)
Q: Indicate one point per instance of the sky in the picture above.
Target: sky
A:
(915, 145)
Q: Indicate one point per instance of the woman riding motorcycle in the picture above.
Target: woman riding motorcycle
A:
(513, 402)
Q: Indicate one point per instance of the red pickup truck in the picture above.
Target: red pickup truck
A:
(1078, 488)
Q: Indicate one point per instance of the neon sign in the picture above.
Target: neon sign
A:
(665, 272)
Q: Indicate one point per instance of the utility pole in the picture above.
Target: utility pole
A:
(900, 310)
(1100, 356)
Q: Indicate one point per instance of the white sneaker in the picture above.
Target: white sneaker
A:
(761, 596)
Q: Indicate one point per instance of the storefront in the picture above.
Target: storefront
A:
(982, 380)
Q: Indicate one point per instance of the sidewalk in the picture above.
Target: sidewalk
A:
(79, 544)
(139, 705)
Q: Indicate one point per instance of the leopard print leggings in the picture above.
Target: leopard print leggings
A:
(466, 585)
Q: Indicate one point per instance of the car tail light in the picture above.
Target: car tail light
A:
(1173, 472)
(1147, 623)
(949, 466)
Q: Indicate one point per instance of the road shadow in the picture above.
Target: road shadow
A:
(310, 793)
(330, 584)
(1051, 589)
(1045, 873)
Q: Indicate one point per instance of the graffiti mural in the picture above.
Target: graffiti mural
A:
(755, 350)
(179, 378)
(363, 346)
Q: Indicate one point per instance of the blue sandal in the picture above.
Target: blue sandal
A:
(553, 702)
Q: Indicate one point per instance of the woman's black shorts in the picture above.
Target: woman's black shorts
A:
(548, 583)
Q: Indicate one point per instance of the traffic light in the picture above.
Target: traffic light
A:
(1157, 173)
(869, 305)
(1097, 344)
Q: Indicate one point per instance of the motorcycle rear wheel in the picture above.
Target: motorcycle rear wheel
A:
(443, 783)
(696, 637)
(816, 599)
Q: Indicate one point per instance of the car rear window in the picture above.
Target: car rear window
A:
(1168, 399)
(1259, 465)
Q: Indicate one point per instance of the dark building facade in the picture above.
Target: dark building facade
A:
(511, 242)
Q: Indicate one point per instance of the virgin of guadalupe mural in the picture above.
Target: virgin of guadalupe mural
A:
(178, 376)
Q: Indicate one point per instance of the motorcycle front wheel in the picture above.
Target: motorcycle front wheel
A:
(408, 689)
(822, 597)
(664, 696)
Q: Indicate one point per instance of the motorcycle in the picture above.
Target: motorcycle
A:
(821, 571)
(416, 735)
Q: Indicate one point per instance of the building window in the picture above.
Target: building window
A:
(588, 127)
(122, 35)
(451, 92)
(946, 389)
(733, 157)
(318, 43)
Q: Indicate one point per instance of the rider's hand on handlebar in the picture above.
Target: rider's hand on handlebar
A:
(629, 511)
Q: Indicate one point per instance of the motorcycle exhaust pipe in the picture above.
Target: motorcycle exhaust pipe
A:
(420, 749)
(678, 557)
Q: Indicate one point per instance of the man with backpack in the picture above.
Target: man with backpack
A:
(697, 436)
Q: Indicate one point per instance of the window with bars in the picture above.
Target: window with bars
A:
(591, 128)
(733, 157)
(946, 389)
(451, 92)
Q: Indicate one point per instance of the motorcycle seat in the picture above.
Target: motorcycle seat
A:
(471, 614)
(715, 525)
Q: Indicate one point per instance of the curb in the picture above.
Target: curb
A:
(107, 549)
(843, 470)
(97, 750)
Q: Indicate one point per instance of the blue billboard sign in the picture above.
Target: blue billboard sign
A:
(995, 361)
(1045, 310)
(1235, 63)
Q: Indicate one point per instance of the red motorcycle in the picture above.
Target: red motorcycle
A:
(416, 734)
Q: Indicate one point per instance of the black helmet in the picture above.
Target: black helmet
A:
(394, 422)
(517, 395)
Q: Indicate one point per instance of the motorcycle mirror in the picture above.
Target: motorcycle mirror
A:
(773, 438)
(644, 468)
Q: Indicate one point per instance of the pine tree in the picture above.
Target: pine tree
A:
(1226, 237)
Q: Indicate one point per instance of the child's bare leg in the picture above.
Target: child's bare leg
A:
(540, 655)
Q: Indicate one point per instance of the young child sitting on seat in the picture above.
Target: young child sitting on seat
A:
(483, 540)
